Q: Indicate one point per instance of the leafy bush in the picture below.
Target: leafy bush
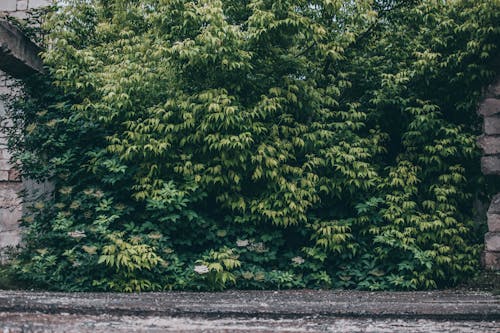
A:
(256, 144)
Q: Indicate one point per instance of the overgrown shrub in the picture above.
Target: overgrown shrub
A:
(256, 144)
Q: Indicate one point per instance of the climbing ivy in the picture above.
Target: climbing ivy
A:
(256, 144)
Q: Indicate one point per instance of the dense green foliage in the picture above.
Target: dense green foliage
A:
(257, 144)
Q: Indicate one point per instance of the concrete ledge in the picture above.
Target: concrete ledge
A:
(18, 55)
(457, 305)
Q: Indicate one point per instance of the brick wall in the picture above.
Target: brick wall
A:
(10, 204)
(18, 8)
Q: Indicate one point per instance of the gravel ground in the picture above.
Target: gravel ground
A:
(250, 311)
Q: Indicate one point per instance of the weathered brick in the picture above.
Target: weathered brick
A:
(4, 154)
(490, 165)
(489, 107)
(20, 15)
(14, 175)
(9, 194)
(39, 3)
(492, 241)
(5, 165)
(4, 177)
(494, 89)
(495, 205)
(491, 260)
(492, 125)
(10, 218)
(493, 222)
(22, 4)
(489, 144)
(8, 5)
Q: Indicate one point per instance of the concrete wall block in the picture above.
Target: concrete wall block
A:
(492, 125)
(22, 4)
(492, 241)
(3, 78)
(5, 165)
(4, 154)
(9, 195)
(493, 89)
(490, 165)
(20, 15)
(493, 222)
(14, 176)
(489, 107)
(4, 90)
(39, 3)
(491, 260)
(10, 238)
(489, 144)
(8, 5)
(10, 218)
(495, 205)
(4, 177)
(7, 123)
(2, 108)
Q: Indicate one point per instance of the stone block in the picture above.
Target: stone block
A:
(14, 175)
(493, 89)
(490, 165)
(9, 218)
(39, 3)
(7, 123)
(22, 4)
(4, 177)
(8, 5)
(20, 15)
(9, 195)
(10, 238)
(5, 165)
(489, 144)
(489, 107)
(4, 90)
(492, 125)
(492, 241)
(495, 205)
(4, 154)
(2, 109)
(493, 222)
(491, 260)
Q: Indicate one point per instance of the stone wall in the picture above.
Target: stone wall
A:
(490, 165)
(10, 183)
(18, 8)
(10, 204)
